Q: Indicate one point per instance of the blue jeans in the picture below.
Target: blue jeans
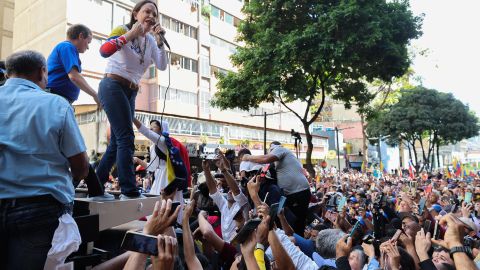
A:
(26, 231)
(119, 105)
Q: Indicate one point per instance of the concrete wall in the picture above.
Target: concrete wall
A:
(39, 24)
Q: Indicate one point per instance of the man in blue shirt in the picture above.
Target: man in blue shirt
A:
(41, 151)
(64, 79)
(64, 65)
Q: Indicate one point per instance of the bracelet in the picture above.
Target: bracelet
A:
(260, 246)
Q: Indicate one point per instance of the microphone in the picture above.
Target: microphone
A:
(164, 40)
(161, 36)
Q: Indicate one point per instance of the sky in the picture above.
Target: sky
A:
(451, 33)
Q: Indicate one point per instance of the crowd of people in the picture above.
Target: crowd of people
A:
(353, 220)
(241, 212)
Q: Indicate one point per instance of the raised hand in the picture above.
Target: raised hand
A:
(455, 231)
(206, 166)
(343, 248)
(187, 213)
(423, 243)
(161, 218)
(167, 251)
(137, 30)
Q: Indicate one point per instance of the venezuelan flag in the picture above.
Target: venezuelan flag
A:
(176, 170)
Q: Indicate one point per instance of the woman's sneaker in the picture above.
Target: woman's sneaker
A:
(124, 197)
(106, 197)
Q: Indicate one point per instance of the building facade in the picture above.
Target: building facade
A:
(6, 27)
(202, 35)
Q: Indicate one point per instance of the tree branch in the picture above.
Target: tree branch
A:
(310, 98)
(317, 113)
(389, 90)
(290, 109)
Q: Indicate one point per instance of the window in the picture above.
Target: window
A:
(177, 95)
(179, 27)
(166, 22)
(205, 102)
(224, 44)
(236, 22)
(224, 16)
(215, 12)
(100, 14)
(195, 66)
(121, 15)
(193, 32)
(150, 73)
(205, 66)
(175, 59)
(184, 62)
(228, 18)
(217, 70)
(91, 60)
(205, 83)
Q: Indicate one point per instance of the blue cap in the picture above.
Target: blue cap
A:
(353, 199)
(437, 208)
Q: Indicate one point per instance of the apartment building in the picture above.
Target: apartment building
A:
(6, 27)
(202, 35)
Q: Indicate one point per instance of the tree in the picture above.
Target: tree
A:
(305, 50)
(383, 94)
(428, 117)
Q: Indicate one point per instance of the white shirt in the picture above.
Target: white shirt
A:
(300, 260)
(160, 168)
(249, 166)
(227, 214)
(126, 61)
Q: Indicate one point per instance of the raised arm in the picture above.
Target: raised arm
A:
(188, 246)
(263, 159)
(212, 187)
(253, 187)
(285, 225)
(279, 253)
(156, 138)
(208, 233)
(119, 37)
(225, 168)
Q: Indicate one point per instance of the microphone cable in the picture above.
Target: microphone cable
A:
(169, 55)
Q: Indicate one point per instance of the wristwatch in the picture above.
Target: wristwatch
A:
(260, 246)
(463, 249)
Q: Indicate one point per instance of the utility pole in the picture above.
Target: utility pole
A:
(338, 148)
(265, 114)
(264, 133)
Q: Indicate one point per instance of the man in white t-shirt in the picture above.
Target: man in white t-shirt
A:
(290, 178)
(231, 204)
(300, 260)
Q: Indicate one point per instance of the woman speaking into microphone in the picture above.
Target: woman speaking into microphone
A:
(130, 50)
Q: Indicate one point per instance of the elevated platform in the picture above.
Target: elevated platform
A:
(103, 222)
(118, 212)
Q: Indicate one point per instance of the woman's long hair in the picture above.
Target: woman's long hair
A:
(137, 8)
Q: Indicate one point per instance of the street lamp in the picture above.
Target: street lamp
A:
(379, 147)
(265, 114)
